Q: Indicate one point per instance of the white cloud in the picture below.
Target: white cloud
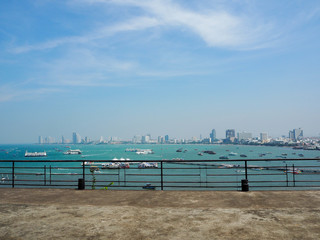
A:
(18, 92)
(218, 28)
(135, 24)
(84, 67)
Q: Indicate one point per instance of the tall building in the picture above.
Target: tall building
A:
(145, 139)
(166, 138)
(136, 139)
(161, 139)
(244, 136)
(230, 133)
(213, 135)
(63, 141)
(40, 140)
(291, 135)
(76, 138)
(263, 137)
(298, 134)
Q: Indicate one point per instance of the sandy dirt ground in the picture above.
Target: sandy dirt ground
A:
(101, 214)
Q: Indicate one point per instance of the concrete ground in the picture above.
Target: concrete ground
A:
(110, 214)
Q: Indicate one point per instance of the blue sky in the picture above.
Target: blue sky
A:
(129, 67)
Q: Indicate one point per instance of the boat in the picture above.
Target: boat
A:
(132, 150)
(243, 155)
(256, 168)
(87, 163)
(226, 166)
(3, 179)
(223, 157)
(179, 150)
(148, 165)
(301, 155)
(35, 154)
(233, 154)
(149, 186)
(144, 151)
(295, 171)
(72, 152)
(297, 147)
(115, 165)
(209, 152)
(200, 154)
(177, 159)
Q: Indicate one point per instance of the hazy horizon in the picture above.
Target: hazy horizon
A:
(182, 68)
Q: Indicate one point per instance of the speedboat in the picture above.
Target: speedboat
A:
(72, 152)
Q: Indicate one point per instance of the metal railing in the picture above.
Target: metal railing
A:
(260, 174)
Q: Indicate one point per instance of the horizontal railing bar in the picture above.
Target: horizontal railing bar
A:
(170, 161)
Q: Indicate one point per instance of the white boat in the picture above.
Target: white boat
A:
(144, 151)
(115, 165)
(148, 165)
(35, 154)
(110, 165)
(87, 163)
(72, 152)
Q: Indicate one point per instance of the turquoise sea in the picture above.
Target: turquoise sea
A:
(176, 176)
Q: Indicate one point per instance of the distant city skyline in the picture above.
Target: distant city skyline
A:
(231, 136)
(182, 68)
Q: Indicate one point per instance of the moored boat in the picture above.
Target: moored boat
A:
(233, 154)
(73, 152)
(35, 154)
(148, 165)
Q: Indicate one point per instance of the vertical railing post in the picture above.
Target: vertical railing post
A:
(45, 175)
(50, 174)
(287, 175)
(244, 182)
(293, 176)
(246, 169)
(124, 177)
(12, 177)
(84, 174)
(161, 175)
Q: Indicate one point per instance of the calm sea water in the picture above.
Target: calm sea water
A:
(203, 175)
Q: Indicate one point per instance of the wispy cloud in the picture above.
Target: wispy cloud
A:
(217, 27)
(135, 24)
(85, 68)
(19, 92)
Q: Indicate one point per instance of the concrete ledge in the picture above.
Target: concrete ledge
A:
(105, 214)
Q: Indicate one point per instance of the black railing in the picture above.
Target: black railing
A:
(259, 174)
